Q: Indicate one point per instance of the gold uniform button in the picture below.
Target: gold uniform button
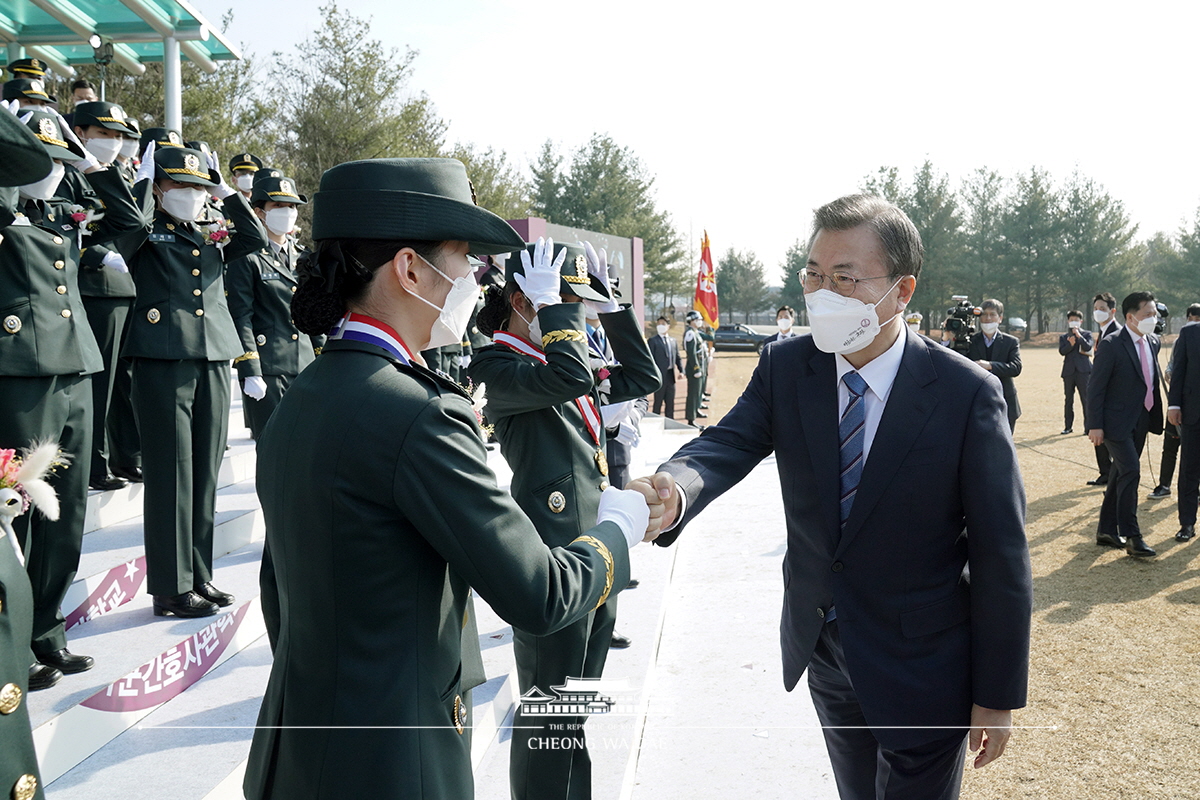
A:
(66, 312)
(603, 485)
(12, 324)
(293, 290)
(58, 240)
(153, 316)
(261, 339)
(196, 292)
(295, 336)
(170, 226)
(199, 312)
(25, 787)
(10, 698)
(195, 273)
(195, 252)
(556, 502)
(59, 264)
(61, 289)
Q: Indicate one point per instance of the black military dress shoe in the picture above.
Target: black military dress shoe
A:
(1185, 533)
(1110, 540)
(188, 604)
(133, 474)
(214, 595)
(42, 677)
(1161, 491)
(1136, 546)
(108, 483)
(1101, 481)
(620, 642)
(633, 583)
(701, 415)
(67, 662)
(1065, 431)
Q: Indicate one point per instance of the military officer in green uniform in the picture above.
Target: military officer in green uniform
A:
(694, 349)
(362, 473)
(181, 339)
(709, 341)
(23, 160)
(245, 167)
(47, 352)
(261, 286)
(543, 398)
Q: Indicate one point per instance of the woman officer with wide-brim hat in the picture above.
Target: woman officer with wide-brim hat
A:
(381, 511)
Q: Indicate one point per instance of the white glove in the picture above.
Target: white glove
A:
(114, 260)
(146, 167)
(256, 389)
(542, 276)
(11, 106)
(614, 414)
(464, 362)
(629, 433)
(598, 268)
(86, 164)
(221, 190)
(628, 509)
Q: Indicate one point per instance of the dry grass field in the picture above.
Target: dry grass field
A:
(1114, 703)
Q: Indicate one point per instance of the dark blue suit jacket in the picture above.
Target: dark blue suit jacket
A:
(1075, 358)
(666, 357)
(1185, 374)
(1006, 365)
(923, 641)
(1117, 390)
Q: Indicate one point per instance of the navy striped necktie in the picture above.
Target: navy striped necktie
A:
(851, 436)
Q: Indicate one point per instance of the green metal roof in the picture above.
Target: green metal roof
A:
(59, 30)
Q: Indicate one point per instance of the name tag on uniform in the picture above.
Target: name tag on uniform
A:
(270, 276)
(162, 237)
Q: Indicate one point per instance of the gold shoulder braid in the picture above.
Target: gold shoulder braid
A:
(609, 565)
(562, 336)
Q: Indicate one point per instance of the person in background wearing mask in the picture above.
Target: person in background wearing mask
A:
(784, 318)
(1075, 346)
(665, 351)
(29, 94)
(1183, 413)
(48, 352)
(181, 338)
(544, 397)
(1104, 312)
(998, 353)
(1124, 404)
(244, 166)
(875, 431)
(261, 286)
(695, 349)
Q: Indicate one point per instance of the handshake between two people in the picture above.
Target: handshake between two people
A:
(643, 509)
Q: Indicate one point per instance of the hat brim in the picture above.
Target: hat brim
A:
(294, 199)
(398, 215)
(187, 177)
(23, 157)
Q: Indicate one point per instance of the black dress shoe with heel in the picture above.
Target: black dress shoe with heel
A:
(1136, 546)
(620, 642)
(133, 474)
(1110, 540)
(1101, 481)
(1185, 533)
(108, 483)
(188, 604)
(1161, 491)
(214, 595)
(42, 677)
(67, 662)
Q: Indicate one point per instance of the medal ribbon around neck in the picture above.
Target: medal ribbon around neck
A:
(361, 328)
(591, 417)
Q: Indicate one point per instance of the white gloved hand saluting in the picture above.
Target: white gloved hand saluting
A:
(255, 388)
(146, 168)
(628, 510)
(542, 276)
(114, 260)
(221, 190)
(88, 162)
(598, 268)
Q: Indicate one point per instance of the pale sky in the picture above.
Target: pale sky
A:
(751, 114)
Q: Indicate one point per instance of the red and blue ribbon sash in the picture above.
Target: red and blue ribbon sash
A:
(591, 417)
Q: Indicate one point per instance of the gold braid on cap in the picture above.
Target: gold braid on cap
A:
(173, 171)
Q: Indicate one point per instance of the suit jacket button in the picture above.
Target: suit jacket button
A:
(25, 787)
(821, 613)
(58, 240)
(261, 339)
(61, 289)
(59, 264)
(10, 698)
(195, 252)
(12, 324)
(293, 290)
(199, 312)
(837, 566)
(603, 485)
(295, 336)
(195, 273)
(196, 292)
(66, 312)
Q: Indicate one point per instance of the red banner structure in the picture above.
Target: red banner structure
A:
(706, 286)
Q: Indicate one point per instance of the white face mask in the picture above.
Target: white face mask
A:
(843, 324)
(784, 323)
(535, 327)
(662, 330)
(105, 150)
(1146, 326)
(45, 188)
(1073, 323)
(244, 182)
(129, 148)
(455, 313)
(989, 328)
(1100, 316)
(184, 204)
(915, 327)
(281, 221)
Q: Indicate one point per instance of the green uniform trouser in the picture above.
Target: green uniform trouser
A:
(695, 384)
(56, 408)
(183, 415)
(106, 316)
(259, 411)
(124, 444)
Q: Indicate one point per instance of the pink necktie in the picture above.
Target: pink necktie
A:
(1145, 354)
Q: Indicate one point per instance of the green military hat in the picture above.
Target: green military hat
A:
(268, 172)
(23, 159)
(279, 189)
(28, 68)
(102, 114)
(426, 199)
(135, 128)
(199, 145)
(246, 161)
(162, 137)
(576, 280)
(45, 127)
(185, 165)
(26, 88)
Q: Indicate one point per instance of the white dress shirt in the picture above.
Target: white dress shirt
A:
(879, 375)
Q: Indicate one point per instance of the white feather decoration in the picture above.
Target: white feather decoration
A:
(37, 462)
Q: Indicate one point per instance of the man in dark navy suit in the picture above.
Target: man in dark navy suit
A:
(999, 353)
(665, 351)
(907, 589)
(1075, 346)
(1183, 412)
(1104, 311)
(1124, 404)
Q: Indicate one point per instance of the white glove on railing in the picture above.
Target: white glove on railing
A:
(256, 389)
(86, 164)
(598, 268)
(221, 190)
(146, 168)
(628, 509)
(542, 276)
(114, 260)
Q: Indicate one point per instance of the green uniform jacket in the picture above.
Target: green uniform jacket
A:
(18, 762)
(181, 311)
(97, 280)
(43, 326)
(694, 349)
(557, 477)
(260, 287)
(380, 513)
